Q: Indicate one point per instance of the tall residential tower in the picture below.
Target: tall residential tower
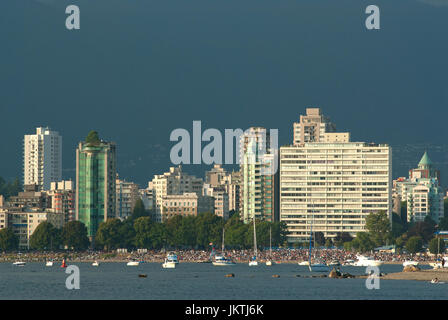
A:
(95, 182)
(42, 158)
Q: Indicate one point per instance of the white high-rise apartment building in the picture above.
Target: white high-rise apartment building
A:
(42, 158)
(257, 187)
(333, 185)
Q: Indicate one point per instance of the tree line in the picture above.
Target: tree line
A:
(140, 231)
(9, 188)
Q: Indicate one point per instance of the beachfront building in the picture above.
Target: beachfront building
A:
(42, 158)
(62, 194)
(258, 178)
(225, 185)
(23, 222)
(333, 184)
(221, 199)
(422, 192)
(127, 196)
(31, 197)
(174, 182)
(186, 204)
(95, 182)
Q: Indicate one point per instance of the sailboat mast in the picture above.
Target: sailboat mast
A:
(255, 239)
(223, 231)
(270, 241)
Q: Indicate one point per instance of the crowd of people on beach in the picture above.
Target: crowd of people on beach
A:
(279, 255)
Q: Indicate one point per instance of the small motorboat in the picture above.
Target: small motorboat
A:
(19, 263)
(319, 267)
(168, 264)
(304, 263)
(95, 264)
(133, 263)
(63, 265)
(269, 263)
(223, 261)
(364, 261)
(49, 264)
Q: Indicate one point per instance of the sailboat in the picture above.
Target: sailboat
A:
(254, 261)
(269, 262)
(316, 267)
(222, 260)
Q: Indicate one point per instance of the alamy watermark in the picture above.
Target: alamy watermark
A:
(73, 280)
(373, 280)
(254, 146)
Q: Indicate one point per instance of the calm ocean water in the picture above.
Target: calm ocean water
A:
(202, 281)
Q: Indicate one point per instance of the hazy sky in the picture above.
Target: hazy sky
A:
(137, 69)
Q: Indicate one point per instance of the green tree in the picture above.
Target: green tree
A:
(173, 229)
(139, 210)
(45, 237)
(109, 234)
(209, 229)
(378, 225)
(404, 211)
(127, 235)
(8, 240)
(341, 238)
(158, 236)
(363, 242)
(414, 244)
(422, 229)
(142, 227)
(92, 138)
(436, 246)
(8, 189)
(74, 236)
(398, 226)
(236, 230)
(443, 223)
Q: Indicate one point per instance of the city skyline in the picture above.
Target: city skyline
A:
(385, 86)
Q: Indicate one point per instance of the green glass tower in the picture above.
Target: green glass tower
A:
(95, 182)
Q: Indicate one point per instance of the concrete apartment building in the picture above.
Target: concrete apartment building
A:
(333, 183)
(23, 222)
(62, 194)
(174, 182)
(42, 158)
(186, 204)
(421, 191)
(127, 196)
(312, 127)
(221, 199)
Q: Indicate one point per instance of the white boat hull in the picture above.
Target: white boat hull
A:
(304, 263)
(19, 263)
(269, 263)
(410, 263)
(49, 264)
(95, 264)
(253, 263)
(169, 265)
(319, 268)
(132, 263)
(221, 263)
